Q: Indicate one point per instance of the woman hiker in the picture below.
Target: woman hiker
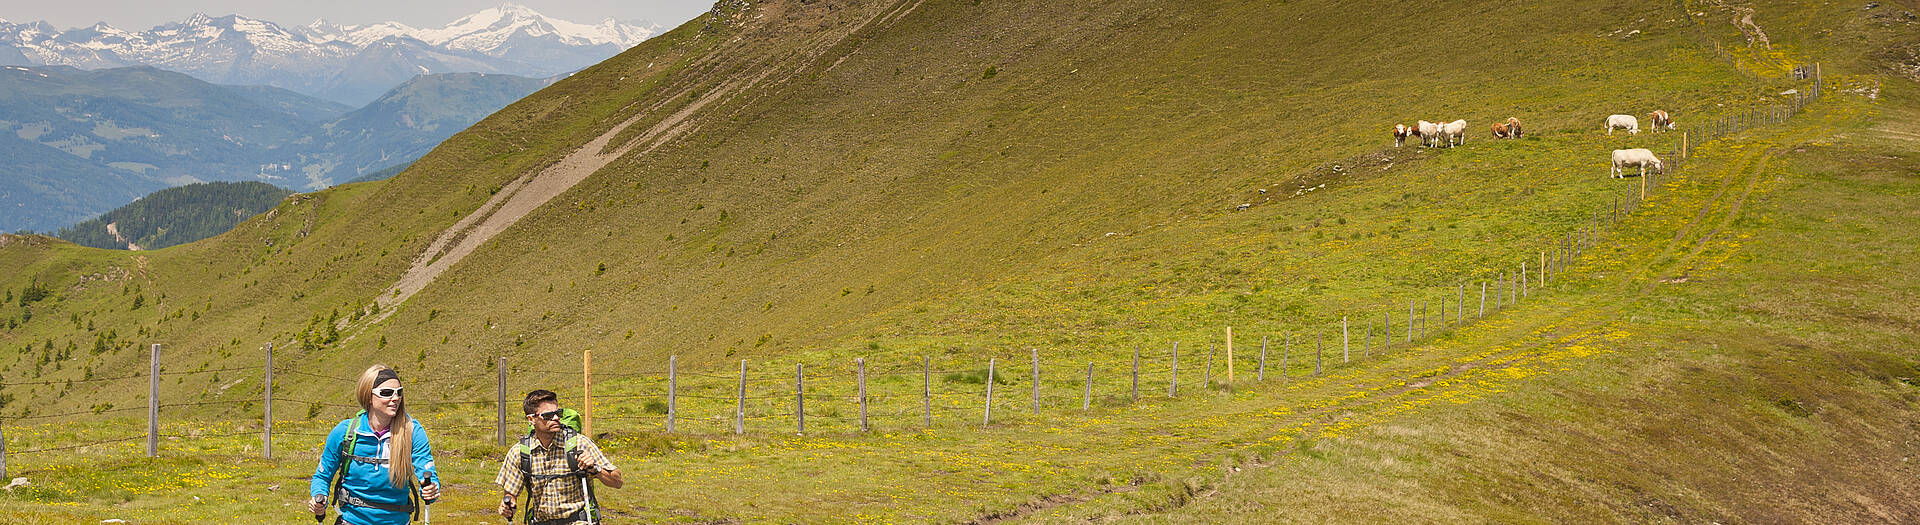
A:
(377, 465)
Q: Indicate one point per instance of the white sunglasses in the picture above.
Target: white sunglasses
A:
(386, 393)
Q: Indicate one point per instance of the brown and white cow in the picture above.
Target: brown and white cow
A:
(1400, 133)
(1501, 131)
(1660, 119)
(1513, 126)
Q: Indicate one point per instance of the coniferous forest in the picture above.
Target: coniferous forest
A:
(176, 215)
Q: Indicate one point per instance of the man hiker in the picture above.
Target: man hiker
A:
(555, 466)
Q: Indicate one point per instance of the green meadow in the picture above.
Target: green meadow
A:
(928, 186)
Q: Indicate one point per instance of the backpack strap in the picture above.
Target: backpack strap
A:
(346, 454)
(524, 449)
(347, 457)
(592, 509)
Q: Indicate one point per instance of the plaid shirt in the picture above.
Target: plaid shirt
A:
(552, 498)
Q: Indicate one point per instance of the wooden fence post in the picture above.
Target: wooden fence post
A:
(153, 403)
(740, 402)
(1366, 345)
(800, 397)
(1036, 380)
(1460, 306)
(3, 450)
(1426, 328)
(1523, 279)
(1483, 301)
(1136, 373)
(1386, 333)
(1086, 402)
(861, 363)
(1263, 359)
(1206, 378)
(1229, 356)
(586, 391)
(266, 418)
(926, 387)
(1286, 350)
(673, 379)
(987, 417)
(501, 373)
(1319, 348)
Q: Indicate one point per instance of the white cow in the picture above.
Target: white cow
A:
(1626, 122)
(1427, 132)
(1455, 133)
(1640, 157)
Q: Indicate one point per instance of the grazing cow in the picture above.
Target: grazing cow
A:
(1500, 130)
(1660, 119)
(1513, 126)
(1626, 122)
(1427, 132)
(1400, 132)
(1455, 133)
(1640, 157)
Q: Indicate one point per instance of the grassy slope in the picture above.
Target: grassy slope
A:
(1015, 277)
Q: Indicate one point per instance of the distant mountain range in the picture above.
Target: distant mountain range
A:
(350, 65)
(76, 143)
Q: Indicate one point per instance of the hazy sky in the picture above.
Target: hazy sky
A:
(135, 15)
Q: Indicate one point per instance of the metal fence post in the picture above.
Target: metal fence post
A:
(861, 363)
(926, 387)
(672, 381)
(800, 397)
(266, 419)
(1263, 359)
(1086, 402)
(153, 403)
(987, 418)
(501, 431)
(740, 402)
(1319, 348)
(1036, 379)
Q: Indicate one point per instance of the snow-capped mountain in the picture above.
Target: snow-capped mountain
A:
(347, 64)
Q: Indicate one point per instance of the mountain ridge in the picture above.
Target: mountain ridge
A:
(326, 60)
(87, 141)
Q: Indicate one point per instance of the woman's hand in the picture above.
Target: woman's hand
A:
(317, 505)
(430, 492)
(506, 509)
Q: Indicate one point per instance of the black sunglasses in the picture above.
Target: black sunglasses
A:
(386, 393)
(550, 415)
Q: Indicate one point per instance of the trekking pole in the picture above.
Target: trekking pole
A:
(426, 509)
(584, 489)
(319, 517)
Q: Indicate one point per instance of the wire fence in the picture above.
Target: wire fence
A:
(905, 393)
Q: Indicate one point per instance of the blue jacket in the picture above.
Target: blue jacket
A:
(368, 481)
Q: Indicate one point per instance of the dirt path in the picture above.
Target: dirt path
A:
(529, 192)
